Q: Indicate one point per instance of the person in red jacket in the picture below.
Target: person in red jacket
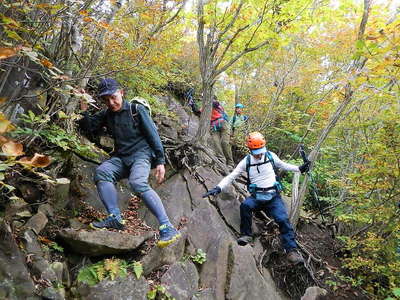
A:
(220, 133)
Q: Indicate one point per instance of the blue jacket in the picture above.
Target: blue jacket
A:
(132, 140)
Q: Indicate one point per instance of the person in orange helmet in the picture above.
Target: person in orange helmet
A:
(264, 191)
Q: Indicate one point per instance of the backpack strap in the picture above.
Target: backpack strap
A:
(267, 159)
(134, 113)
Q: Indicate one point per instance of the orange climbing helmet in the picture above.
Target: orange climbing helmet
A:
(255, 140)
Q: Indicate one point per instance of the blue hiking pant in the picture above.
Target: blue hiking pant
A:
(274, 208)
(113, 170)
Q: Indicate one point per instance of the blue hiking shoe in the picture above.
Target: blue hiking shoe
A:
(168, 235)
(111, 222)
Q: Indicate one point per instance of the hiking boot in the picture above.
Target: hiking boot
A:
(294, 257)
(111, 222)
(244, 240)
(168, 235)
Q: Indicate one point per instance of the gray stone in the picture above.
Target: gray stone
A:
(181, 280)
(176, 200)
(53, 293)
(128, 288)
(58, 268)
(46, 209)
(204, 294)
(313, 293)
(158, 257)
(96, 243)
(18, 207)
(230, 209)
(37, 222)
(15, 281)
(244, 280)
(74, 223)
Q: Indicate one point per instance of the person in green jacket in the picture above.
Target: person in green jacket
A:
(238, 119)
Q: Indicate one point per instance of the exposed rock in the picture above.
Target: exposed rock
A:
(83, 186)
(61, 193)
(46, 209)
(74, 223)
(314, 293)
(37, 222)
(230, 209)
(158, 257)
(51, 293)
(128, 288)
(15, 282)
(181, 280)
(188, 121)
(39, 266)
(58, 268)
(204, 294)
(18, 207)
(250, 286)
(96, 243)
(176, 200)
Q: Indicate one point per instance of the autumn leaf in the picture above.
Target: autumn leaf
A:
(12, 148)
(45, 62)
(37, 161)
(2, 100)
(7, 52)
(3, 140)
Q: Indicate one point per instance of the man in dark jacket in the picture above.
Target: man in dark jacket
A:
(137, 147)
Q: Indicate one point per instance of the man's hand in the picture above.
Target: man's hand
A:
(305, 167)
(160, 173)
(213, 192)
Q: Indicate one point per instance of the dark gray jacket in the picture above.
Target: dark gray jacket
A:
(132, 140)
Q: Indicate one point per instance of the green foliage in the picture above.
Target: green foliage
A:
(137, 269)
(200, 257)
(56, 247)
(40, 126)
(106, 269)
(159, 292)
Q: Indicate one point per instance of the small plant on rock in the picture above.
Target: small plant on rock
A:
(159, 292)
(200, 257)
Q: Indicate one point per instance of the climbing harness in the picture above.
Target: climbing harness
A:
(267, 159)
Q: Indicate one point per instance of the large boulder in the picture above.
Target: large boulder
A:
(96, 243)
(181, 280)
(15, 281)
(158, 257)
(251, 285)
(176, 200)
(128, 288)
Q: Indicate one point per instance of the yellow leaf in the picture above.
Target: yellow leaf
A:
(12, 148)
(38, 161)
(5, 125)
(2, 100)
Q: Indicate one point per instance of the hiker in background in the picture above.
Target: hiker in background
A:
(137, 148)
(189, 98)
(238, 119)
(264, 193)
(220, 133)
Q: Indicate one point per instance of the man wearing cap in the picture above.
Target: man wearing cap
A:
(238, 119)
(137, 148)
(264, 193)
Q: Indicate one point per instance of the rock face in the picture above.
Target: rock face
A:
(96, 243)
(182, 280)
(128, 288)
(15, 281)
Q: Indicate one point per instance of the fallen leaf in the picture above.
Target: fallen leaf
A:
(3, 140)
(7, 52)
(38, 161)
(2, 100)
(12, 148)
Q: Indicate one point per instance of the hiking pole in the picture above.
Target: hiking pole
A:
(314, 190)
